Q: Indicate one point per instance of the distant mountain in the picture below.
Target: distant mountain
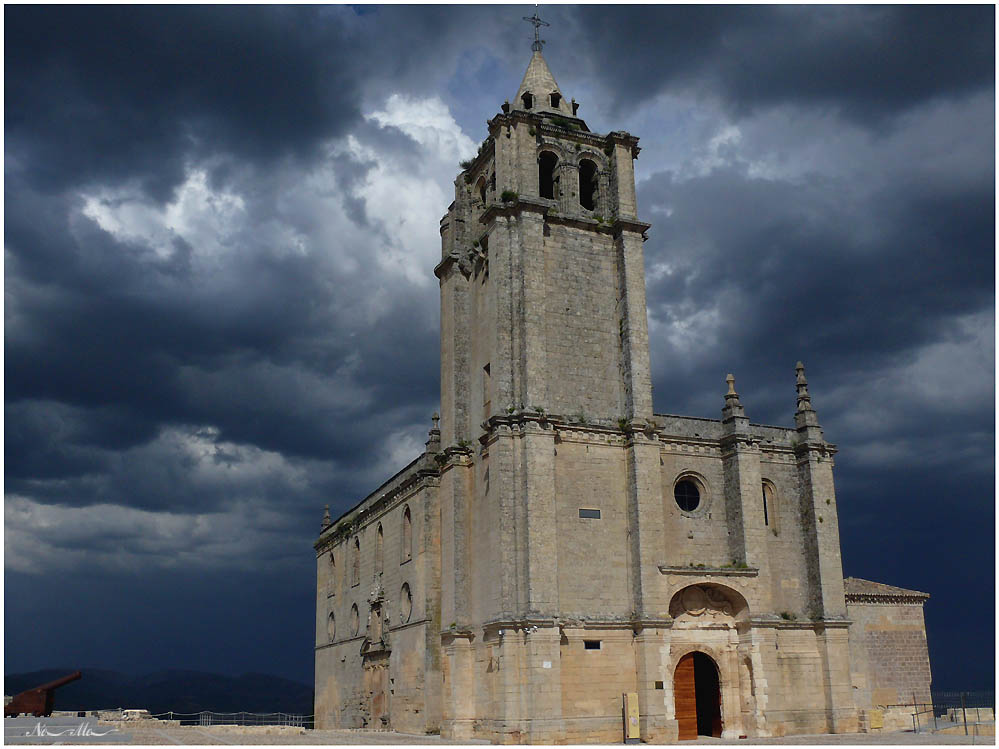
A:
(164, 691)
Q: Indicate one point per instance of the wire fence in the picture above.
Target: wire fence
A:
(211, 718)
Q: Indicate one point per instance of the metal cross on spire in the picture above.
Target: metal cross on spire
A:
(538, 23)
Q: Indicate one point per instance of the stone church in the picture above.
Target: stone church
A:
(559, 544)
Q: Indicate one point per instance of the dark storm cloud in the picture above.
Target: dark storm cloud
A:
(865, 61)
(118, 93)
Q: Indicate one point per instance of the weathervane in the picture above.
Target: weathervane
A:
(538, 23)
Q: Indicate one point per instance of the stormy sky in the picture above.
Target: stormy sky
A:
(220, 312)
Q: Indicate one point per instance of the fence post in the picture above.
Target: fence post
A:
(964, 714)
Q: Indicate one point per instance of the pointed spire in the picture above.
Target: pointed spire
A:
(804, 415)
(326, 518)
(804, 399)
(733, 408)
(540, 84)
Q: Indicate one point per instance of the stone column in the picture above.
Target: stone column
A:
(744, 495)
(543, 676)
(568, 198)
(649, 643)
(633, 314)
(459, 686)
(818, 510)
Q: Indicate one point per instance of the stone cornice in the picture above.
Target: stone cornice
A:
(621, 225)
(418, 474)
(709, 571)
(521, 204)
(883, 599)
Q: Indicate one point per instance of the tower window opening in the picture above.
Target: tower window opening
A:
(591, 644)
(480, 186)
(587, 184)
(547, 178)
(555, 98)
(528, 100)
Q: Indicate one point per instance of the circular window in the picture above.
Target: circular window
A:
(406, 603)
(331, 627)
(687, 495)
(355, 620)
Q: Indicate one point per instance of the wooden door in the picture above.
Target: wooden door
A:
(685, 697)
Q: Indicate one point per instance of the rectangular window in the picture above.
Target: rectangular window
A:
(591, 644)
(595, 514)
(659, 685)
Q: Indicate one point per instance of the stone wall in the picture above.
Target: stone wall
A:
(889, 656)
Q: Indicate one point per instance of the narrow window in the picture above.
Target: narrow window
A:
(486, 392)
(591, 644)
(584, 513)
(379, 551)
(547, 178)
(481, 187)
(587, 184)
(555, 98)
(659, 685)
(771, 511)
(332, 589)
(355, 569)
(528, 100)
(407, 535)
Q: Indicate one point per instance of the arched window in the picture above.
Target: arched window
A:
(407, 535)
(770, 514)
(355, 568)
(528, 100)
(588, 184)
(547, 179)
(480, 188)
(379, 551)
(332, 586)
(555, 97)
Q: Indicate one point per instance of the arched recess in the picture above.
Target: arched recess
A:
(588, 184)
(379, 551)
(547, 175)
(407, 535)
(480, 189)
(771, 514)
(706, 601)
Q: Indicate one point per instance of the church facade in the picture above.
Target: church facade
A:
(559, 544)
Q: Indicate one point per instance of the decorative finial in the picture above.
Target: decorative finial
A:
(436, 419)
(732, 406)
(326, 518)
(538, 23)
(804, 399)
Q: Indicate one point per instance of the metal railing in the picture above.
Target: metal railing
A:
(212, 718)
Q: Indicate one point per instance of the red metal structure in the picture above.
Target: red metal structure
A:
(38, 701)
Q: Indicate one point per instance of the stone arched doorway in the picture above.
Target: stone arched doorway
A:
(697, 692)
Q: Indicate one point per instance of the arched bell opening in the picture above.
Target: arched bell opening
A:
(697, 696)
(547, 177)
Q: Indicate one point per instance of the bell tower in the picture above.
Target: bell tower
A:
(544, 368)
(542, 282)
